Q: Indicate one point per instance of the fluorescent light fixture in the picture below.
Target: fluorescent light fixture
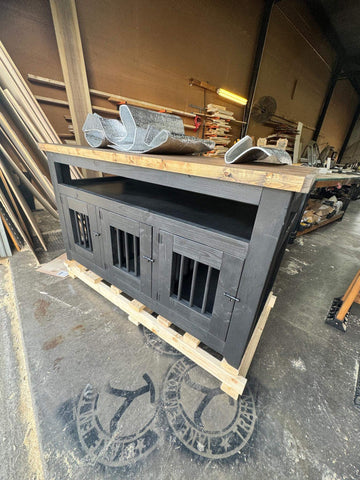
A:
(231, 96)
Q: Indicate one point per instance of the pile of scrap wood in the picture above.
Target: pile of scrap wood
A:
(24, 171)
(318, 210)
(283, 130)
(217, 128)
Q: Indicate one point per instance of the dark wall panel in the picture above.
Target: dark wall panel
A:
(149, 50)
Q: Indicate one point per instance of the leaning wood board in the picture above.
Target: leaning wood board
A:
(14, 204)
(11, 79)
(281, 177)
(26, 157)
(16, 224)
(25, 131)
(27, 182)
(22, 202)
(232, 380)
(71, 55)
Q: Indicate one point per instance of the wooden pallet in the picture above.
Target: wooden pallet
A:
(233, 380)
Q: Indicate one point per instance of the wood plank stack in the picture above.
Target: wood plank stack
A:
(217, 128)
(283, 130)
(24, 171)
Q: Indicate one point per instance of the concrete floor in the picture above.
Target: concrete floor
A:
(93, 395)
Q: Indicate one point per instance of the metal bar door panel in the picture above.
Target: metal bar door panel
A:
(82, 229)
(198, 282)
(127, 247)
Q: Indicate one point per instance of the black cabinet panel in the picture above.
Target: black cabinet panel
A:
(195, 282)
(127, 250)
(203, 260)
(82, 229)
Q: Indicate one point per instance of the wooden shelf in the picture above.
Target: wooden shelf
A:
(321, 224)
(216, 214)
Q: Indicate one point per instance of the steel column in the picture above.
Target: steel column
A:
(348, 135)
(331, 86)
(257, 62)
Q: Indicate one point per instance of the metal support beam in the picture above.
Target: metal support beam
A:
(348, 135)
(329, 92)
(257, 62)
(322, 18)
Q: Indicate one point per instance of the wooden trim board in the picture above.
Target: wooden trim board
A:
(43, 181)
(38, 137)
(14, 220)
(112, 97)
(23, 204)
(11, 79)
(280, 177)
(232, 382)
(65, 103)
(27, 183)
(14, 204)
(25, 130)
(71, 55)
(21, 163)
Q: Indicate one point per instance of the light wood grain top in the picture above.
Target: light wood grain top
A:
(280, 177)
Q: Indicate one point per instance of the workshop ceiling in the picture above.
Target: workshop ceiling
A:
(345, 19)
(340, 21)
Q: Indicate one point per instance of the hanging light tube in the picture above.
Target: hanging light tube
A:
(231, 96)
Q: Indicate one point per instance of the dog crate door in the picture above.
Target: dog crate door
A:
(127, 250)
(82, 229)
(199, 282)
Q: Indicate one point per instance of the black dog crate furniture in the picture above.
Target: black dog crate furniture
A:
(195, 240)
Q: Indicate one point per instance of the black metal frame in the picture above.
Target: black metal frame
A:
(245, 269)
(349, 133)
(260, 45)
(330, 90)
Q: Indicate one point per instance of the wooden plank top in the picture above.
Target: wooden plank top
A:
(280, 177)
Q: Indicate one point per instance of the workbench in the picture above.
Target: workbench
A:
(195, 240)
(327, 180)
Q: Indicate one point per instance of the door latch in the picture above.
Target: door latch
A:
(97, 234)
(148, 259)
(231, 298)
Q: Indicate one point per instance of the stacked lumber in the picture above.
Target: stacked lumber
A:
(107, 112)
(217, 128)
(23, 166)
(283, 130)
